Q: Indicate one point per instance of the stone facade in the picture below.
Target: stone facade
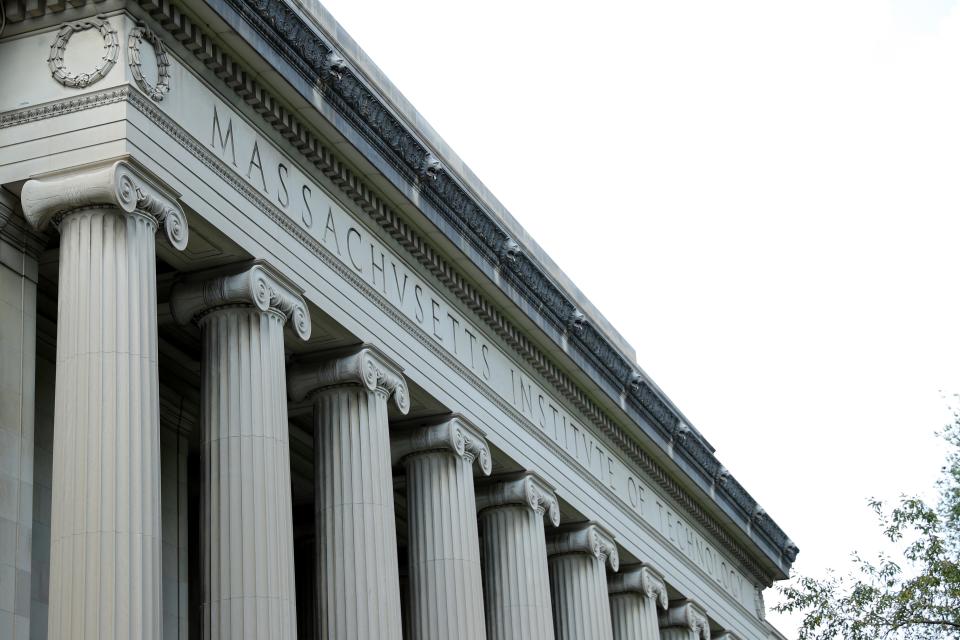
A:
(275, 364)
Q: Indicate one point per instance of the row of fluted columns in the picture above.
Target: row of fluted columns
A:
(481, 563)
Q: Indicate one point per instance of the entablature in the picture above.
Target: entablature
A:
(503, 281)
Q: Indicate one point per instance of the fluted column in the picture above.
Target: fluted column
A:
(578, 556)
(635, 594)
(19, 251)
(446, 597)
(246, 514)
(684, 620)
(516, 584)
(105, 575)
(357, 577)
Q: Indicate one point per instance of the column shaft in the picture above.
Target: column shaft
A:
(516, 585)
(18, 345)
(445, 589)
(581, 609)
(357, 577)
(247, 516)
(105, 531)
(634, 617)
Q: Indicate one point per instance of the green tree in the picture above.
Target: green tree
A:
(880, 598)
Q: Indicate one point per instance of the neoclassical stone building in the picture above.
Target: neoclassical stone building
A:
(275, 364)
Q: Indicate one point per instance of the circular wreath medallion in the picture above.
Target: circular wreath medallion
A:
(137, 37)
(111, 47)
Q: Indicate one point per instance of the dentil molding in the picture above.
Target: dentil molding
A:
(258, 285)
(118, 183)
(687, 615)
(640, 579)
(525, 489)
(456, 434)
(588, 538)
(364, 365)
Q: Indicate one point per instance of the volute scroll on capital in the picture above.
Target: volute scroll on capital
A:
(258, 285)
(362, 365)
(455, 434)
(524, 489)
(640, 579)
(588, 538)
(118, 183)
(687, 615)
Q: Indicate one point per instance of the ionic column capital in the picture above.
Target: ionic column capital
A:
(687, 615)
(117, 183)
(588, 538)
(364, 365)
(525, 489)
(640, 578)
(455, 434)
(257, 285)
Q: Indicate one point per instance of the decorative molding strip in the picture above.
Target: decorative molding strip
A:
(138, 36)
(456, 435)
(259, 286)
(111, 49)
(62, 107)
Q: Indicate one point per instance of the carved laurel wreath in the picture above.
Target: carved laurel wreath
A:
(137, 36)
(111, 47)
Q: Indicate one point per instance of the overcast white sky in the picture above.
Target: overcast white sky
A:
(762, 197)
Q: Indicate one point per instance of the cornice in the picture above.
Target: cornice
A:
(589, 538)
(641, 579)
(365, 366)
(525, 489)
(258, 285)
(455, 434)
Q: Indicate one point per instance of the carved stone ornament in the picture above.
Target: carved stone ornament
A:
(431, 167)
(687, 615)
(137, 37)
(576, 321)
(588, 538)
(790, 550)
(455, 434)
(117, 183)
(363, 365)
(525, 489)
(259, 286)
(640, 578)
(111, 48)
(509, 250)
(758, 602)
